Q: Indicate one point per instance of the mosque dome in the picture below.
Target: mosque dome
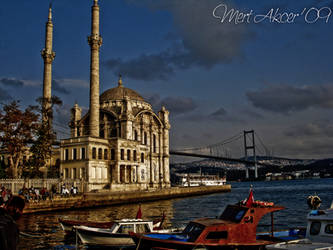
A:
(119, 93)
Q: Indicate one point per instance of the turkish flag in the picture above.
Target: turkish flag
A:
(139, 213)
(250, 199)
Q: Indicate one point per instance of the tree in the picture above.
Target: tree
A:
(42, 148)
(17, 129)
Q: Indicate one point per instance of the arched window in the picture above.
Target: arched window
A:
(94, 153)
(135, 135)
(100, 154)
(83, 153)
(113, 154)
(145, 138)
(154, 143)
(134, 155)
(142, 157)
(105, 154)
(74, 154)
(128, 154)
(66, 154)
(122, 154)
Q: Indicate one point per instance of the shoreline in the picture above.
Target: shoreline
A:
(91, 200)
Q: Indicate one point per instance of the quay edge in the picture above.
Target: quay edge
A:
(90, 200)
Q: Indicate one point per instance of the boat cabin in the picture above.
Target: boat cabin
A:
(320, 226)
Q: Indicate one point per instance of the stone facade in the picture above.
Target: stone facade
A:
(120, 144)
(131, 151)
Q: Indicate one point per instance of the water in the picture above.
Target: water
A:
(291, 194)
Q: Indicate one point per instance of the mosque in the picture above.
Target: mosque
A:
(120, 144)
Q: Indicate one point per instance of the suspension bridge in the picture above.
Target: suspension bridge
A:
(247, 142)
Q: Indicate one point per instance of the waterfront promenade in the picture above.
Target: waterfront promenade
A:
(89, 200)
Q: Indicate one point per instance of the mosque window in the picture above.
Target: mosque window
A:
(145, 138)
(128, 154)
(105, 154)
(142, 157)
(100, 154)
(154, 143)
(94, 153)
(134, 155)
(83, 153)
(66, 154)
(113, 154)
(74, 154)
(121, 154)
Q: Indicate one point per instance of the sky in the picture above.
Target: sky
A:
(267, 68)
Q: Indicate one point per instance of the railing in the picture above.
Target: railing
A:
(16, 184)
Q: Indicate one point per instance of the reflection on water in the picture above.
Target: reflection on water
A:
(291, 194)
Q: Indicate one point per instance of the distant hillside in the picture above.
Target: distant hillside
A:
(237, 170)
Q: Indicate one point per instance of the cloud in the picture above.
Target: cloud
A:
(252, 114)
(4, 96)
(219, 113)
(202, 41)
(56, 86)
(11, 82)
(287, 99)
(318, 128)
(176, 105)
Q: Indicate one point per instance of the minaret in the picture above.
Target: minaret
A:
(95, 42)
(48, 57)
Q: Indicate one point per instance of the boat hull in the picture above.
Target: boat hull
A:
(145, 243)
(108, 239)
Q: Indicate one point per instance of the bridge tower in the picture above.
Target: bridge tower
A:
(250, 147)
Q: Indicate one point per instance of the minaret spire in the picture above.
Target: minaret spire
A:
(48, 57)
(95, 42)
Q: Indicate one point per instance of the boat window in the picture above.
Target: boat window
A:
(125, 229)
(193, 231)
(217, 235)
(329, 229)
(233, 213)
(142, 228)
(315, 228)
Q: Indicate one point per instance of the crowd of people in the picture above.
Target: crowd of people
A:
(33, 194)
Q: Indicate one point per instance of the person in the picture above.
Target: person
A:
(9, 232)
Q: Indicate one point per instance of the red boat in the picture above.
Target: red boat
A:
(236, 228)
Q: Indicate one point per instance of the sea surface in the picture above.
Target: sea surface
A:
(45, 232)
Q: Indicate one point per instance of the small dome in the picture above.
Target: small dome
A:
(119, 93)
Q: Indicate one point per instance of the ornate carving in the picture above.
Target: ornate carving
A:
(47, 55)
(95, 40)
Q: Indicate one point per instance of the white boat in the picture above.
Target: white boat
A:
(117, 235)
(319, 231)
(195, 180)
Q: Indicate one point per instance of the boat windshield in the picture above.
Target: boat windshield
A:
(193, 231)
(126, 228)
(233, 213)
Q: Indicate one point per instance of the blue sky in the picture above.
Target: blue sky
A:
(216, 78)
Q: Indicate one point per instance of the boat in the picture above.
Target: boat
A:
(118, 234)
(235, 228)
(319, 230)
(195, 180)
(68, 225)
